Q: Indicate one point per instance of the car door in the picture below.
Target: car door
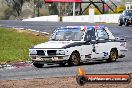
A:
(87, 47)
(102, 46)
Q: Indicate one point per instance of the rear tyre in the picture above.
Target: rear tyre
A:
(74, 59)
(38, 65)
(113, 55)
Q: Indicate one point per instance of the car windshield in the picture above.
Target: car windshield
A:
(129, 13)
(67, 35)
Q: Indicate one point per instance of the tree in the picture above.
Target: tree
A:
(120, 9)
(16, 5)
(53, 9)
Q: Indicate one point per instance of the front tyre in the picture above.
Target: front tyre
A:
(38, 65)
(119, 23)
(113, 55)
(126, 23)
(74, 59)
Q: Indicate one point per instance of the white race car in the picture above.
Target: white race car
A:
(76, 44)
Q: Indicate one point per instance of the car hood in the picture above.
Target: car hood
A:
(53, 44)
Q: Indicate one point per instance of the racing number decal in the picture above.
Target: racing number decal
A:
(105, 53)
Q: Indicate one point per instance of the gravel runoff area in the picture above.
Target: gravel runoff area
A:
(61, 82)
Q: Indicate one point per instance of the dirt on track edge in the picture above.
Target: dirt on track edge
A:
(57, 82)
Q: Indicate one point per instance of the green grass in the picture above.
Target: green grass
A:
(14, 45)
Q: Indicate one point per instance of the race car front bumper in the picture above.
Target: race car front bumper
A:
(49, 59)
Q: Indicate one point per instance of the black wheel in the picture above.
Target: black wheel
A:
(126, 23)
(38, 65)
(74, 59)
(113, 55)
(81, 80)
(119, 23)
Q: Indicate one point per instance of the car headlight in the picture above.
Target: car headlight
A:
(60, 52)
(32, 52)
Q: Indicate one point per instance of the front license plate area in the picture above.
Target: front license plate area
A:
(46, 59)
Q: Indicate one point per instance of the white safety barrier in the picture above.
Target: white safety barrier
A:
(83, 18)
(53, 18)
(107, 18)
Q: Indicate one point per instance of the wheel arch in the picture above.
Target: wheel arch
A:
(115, 48)
(76, 51)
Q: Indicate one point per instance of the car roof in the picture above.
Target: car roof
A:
(81, 27)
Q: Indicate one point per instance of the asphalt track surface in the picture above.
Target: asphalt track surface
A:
(123, 65)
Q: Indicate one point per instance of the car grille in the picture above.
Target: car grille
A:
(51, 52)
(40, 52)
